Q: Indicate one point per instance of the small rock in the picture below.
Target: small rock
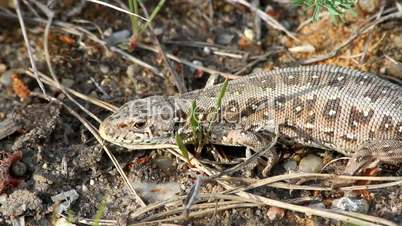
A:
(310, 164)
(290, 166)
(369, 6)
(394, 68)
(3, 68)
(351, 204)
(157, 192)
(132, 70)
(318, 205)
(307, 48)
(5, 78)
(104, 68)
(158, 31)
(207, 50)
(117, 37)
(66, 82)
(164, 164)
(65, 199)
(249, 34)
(275, 213)
(63, 222)
(225, 39)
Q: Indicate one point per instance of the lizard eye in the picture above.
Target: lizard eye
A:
(139, 124)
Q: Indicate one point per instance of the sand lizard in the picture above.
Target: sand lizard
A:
(354, 113)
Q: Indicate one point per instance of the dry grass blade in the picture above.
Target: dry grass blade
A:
(367, 26)
(363, 220)
(188, 63)
(24, 34)
(199, 213)
(118, 9)
(272, 181)
(47, 80)
(53, 74)
(137, 61)
(95, 133)
(267, 18)
(178, 80)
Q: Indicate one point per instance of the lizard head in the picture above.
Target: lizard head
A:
(148, 123)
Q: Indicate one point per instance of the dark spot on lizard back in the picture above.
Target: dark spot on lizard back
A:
(291, 79)
(357, 117)
(386, 124)
(351, 138)
(338, 81)
(310, 103)
(298, 106)
(251, 105)
(329, 136)
(332, 109)
(364, 80)
(231, 111)
(398, 131)
(279, 102)
(268, 83)
(313, 79)
(180, 114)
(376, 92)
(371, 134)
(311, 118)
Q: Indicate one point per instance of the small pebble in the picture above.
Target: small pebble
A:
(369, 6)
(164, 164)
(63, 222)
(307, 48)
(351, 204)
(275, 213)
(290, 166)
(3, 68)
(84, 188)
(18, 168)
(249, 34)
(116, 37)
(131, 70)
(66, 82)
(318, 205)
(225, 39)
(5, 78)
(393, 68)
(207, 50)
(311, 164)
(104, 68)
(158, 31)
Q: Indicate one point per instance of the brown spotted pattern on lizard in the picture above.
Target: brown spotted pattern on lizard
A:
(322, 106)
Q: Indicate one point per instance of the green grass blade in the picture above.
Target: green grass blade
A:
(182, 147)
(133, 7)
(153, 15)
(100, 212)
(221, 94)
(195, 124)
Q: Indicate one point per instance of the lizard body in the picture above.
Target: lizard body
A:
(322, 106)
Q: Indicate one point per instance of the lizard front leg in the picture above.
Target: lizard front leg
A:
(261, 144)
